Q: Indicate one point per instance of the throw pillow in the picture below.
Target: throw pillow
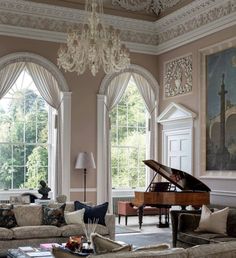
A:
(215, 222)
(93, 212)
(158, 247)
(7, 218)
(102, 245)
(54, 216)
(74, 217)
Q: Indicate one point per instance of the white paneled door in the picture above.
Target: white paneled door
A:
(178, 149)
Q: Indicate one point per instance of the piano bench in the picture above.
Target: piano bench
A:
(126, 209)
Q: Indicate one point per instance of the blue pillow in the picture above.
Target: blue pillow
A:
(93, 212)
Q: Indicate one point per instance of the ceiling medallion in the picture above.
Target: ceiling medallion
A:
(155, 6)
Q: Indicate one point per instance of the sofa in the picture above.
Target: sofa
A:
(30, 230)
(184, 224)
(219, 250)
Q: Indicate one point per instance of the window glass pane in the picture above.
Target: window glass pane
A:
(5, 154)
(42, 133)
(17, 132)
(18, 177)
(5, 129)
(30, 132)
(129, 140)
(18, 155)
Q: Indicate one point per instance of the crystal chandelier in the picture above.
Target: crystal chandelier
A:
(95, 46)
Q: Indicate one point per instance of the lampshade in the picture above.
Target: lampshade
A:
(85, 160)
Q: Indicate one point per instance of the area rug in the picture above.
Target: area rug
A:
(139, 239)
(124, 230)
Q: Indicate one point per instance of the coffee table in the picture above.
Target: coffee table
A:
(36, 252)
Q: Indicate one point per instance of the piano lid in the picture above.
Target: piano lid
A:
(182, 180)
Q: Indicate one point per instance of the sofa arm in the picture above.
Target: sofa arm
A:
(188, 222)
(110, 223)
(175, 221)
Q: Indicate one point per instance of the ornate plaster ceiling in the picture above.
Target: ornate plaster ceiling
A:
(138, 9)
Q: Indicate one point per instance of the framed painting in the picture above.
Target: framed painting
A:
(218, 114)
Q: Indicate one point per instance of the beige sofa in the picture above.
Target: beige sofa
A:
(31, 232)
(220, 250)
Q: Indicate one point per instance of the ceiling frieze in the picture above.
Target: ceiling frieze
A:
(21, 15)
(200, 14)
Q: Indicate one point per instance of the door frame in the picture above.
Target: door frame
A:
(175, 120)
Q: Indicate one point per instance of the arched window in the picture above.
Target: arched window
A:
(129, 140)
(36, 94)
(110, 94)
(25, 135)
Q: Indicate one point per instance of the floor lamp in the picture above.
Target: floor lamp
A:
(85, 161)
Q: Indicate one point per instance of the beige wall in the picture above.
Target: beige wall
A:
(192, 102)
(84, 90)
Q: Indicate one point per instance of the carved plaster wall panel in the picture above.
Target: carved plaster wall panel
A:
(178, 76)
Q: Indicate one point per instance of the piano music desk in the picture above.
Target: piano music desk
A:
(126, 209)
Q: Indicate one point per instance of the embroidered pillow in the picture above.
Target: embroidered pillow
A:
(104, 245)
(54, 216)
(74, 217)
(93, 212)
(215, 222)
(7, 218)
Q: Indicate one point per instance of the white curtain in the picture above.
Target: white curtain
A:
(49, 90)
(114, 93)
(8, 76)
(116, 90)
(149, 98)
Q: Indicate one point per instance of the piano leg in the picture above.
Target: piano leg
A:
(140, 215)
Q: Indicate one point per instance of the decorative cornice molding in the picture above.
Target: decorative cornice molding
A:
(187, 19)
(46, 22)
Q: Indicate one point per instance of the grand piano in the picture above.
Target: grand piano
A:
(191, 191)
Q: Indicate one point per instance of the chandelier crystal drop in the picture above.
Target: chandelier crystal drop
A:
(95, 46)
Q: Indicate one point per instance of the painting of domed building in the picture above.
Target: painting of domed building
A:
(221, 111)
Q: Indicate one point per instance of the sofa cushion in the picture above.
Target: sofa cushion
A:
(169, 253)
(214, 222)
(194, 238)
(28, 215)
(93, 212)
(7, 218)
(71, 230)
(5, 233)
(54, 216)
(220, 250)
(69, 206)
(77, 229)
(35, 232)
(158, 247)
(74, 217)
